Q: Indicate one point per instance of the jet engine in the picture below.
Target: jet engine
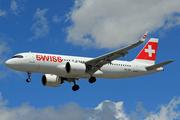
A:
(51, 80)
(75, 68)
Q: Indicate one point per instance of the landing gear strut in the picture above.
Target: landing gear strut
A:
(29, 77)
(92, 80)
(75, 87)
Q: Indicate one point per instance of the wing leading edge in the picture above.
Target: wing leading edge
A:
(96, 63)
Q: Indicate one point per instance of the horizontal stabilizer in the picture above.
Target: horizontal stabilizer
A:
(158, 65)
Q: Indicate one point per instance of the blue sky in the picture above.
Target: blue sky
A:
(89, 28)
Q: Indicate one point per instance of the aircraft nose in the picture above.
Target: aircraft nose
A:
(12, 64)
(8, 63)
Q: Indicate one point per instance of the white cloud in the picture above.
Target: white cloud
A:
(112, 23)
(106, 110)
(40, 27)
(4, 51)
(167, 112)
(70, 111)
(14, 6)
(2, 13)
(56, 19)
(17, 6)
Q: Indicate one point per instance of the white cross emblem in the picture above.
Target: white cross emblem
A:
(150, 50)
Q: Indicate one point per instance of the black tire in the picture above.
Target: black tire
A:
(75, 87)
(92, 80)
(28, 80)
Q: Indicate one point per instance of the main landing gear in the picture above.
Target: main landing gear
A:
(92, 80)
(75, 87)
(29, 77)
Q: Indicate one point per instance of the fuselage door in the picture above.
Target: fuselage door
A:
(31, 58)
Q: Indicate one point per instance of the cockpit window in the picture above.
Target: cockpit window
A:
(17, 56)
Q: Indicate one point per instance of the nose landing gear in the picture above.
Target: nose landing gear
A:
(29, 77)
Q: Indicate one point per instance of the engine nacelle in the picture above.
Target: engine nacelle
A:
(61, 69)
(51, 80)
(75, 68)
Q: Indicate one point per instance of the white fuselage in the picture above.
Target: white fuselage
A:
(55, 64)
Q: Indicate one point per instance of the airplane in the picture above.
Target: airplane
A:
(60, 68)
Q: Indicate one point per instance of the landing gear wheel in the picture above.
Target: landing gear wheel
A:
(92, 80)
(29, 77)
(75, 87)
(28, 80)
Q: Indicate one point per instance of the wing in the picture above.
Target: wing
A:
(96, 63)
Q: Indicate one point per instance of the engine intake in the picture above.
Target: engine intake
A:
(51, 80)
